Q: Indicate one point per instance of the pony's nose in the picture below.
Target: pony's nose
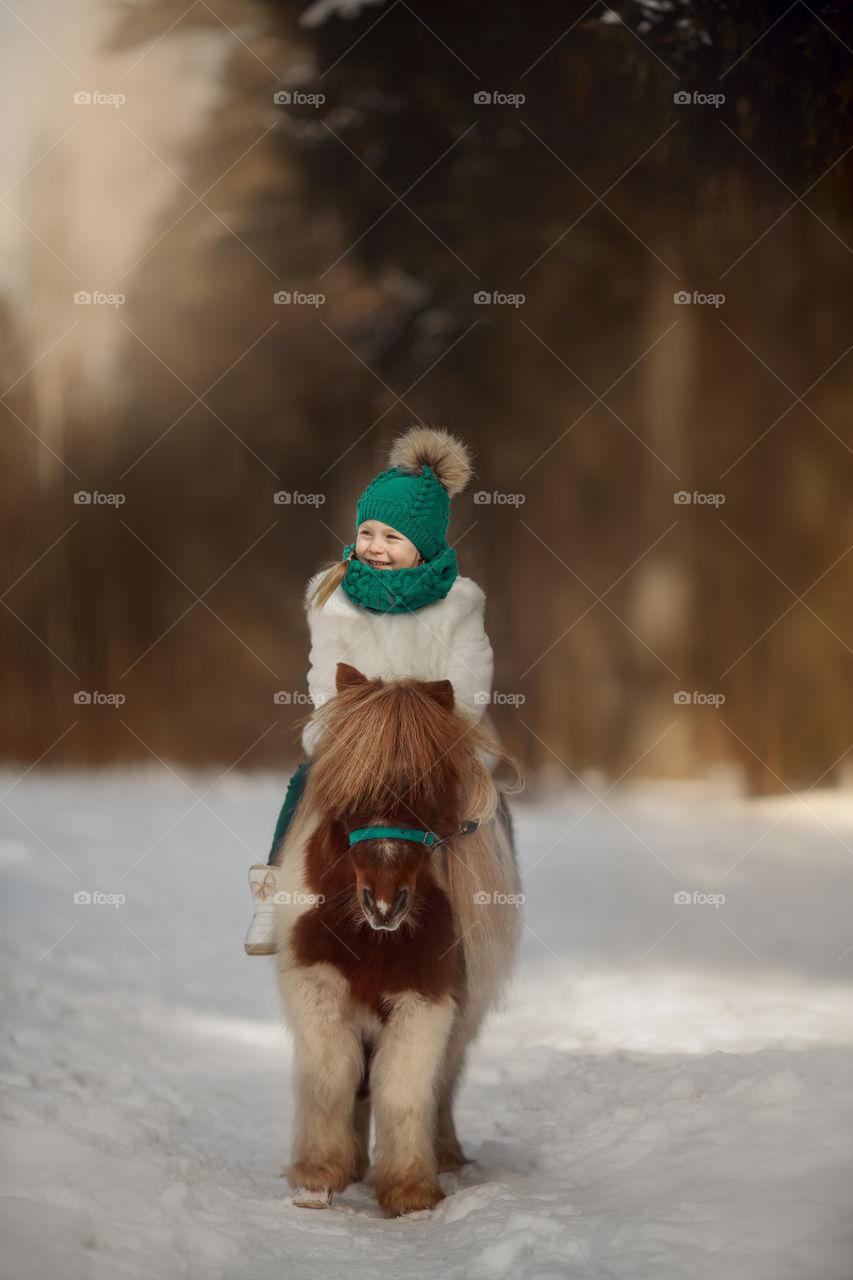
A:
(388, 912)
(383, 914)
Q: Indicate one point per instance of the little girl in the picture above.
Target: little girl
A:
(394, 607)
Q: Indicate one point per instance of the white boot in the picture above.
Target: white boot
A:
(260, 940)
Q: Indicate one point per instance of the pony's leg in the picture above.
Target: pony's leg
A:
(404, 1083)
(330, 1062)
(361, 1119)
(448, 1152)
(449, 1155)
(361, 1131)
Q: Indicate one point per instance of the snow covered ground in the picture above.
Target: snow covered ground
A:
(667, 1093)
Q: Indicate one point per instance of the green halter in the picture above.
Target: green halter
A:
(428, 838)
(397, 833)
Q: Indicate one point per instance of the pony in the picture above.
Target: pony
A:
(397, 924)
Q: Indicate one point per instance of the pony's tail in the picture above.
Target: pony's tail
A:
(336, 572)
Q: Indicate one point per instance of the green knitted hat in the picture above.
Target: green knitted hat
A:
(427, 467)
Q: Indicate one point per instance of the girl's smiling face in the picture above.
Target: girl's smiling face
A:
(382, 547)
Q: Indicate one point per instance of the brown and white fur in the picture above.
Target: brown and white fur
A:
(388, 955)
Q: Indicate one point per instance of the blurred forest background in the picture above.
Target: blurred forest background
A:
(589, 405)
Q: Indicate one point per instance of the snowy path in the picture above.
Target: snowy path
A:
(668, 1093)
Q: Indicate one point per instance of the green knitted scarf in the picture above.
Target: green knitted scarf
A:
(399, 590)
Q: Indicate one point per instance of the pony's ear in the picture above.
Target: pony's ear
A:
(345, 676)
(441, 691)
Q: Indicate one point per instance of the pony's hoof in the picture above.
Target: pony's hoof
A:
(411, 1197)
(304, 1198)
(452, 1160)
(317, 1178)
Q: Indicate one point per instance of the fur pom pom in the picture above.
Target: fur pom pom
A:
(449, 458)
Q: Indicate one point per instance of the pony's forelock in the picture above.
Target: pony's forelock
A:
(379, 740)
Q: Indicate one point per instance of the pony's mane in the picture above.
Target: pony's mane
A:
(381, 740)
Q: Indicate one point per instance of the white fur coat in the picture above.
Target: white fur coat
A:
(441, 641)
